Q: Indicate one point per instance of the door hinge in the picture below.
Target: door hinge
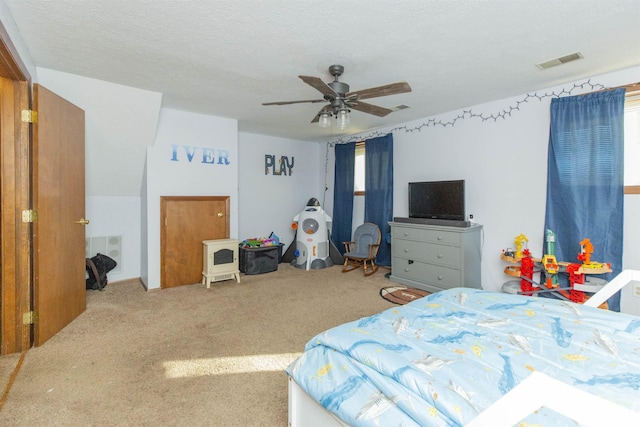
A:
(30, 318)
(29, 116)
(29, 215)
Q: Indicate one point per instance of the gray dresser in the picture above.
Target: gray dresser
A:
(434, 257)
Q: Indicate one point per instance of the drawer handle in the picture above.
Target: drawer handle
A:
(439, 256)
(407, 269)
(440, 277)
(406, 234)
(406, 250)
(439, 237)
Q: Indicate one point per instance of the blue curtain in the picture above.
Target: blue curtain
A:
(343, 194)
(585, 180)
(378, 184)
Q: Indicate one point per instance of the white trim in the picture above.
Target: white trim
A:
(539, 390)
(619, 282)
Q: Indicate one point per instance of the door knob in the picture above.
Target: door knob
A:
(220, 214)
(82, 221)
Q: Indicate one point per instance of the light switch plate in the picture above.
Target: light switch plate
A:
(635, 287)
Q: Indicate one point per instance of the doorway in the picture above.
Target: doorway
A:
(42, 211)
(185, 221)
(15, 170)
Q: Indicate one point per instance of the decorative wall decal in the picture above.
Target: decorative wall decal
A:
(284, 166)
(204, 154)
(469, 114)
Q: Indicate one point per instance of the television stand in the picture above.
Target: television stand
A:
(433, 221)
(434, 257)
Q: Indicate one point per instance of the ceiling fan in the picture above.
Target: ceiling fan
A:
(341, 101)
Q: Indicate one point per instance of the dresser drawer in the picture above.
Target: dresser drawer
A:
(427, 235)
(408, 233)
(442, 277)
(427, 252)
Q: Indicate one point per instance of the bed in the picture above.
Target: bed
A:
(468, 357)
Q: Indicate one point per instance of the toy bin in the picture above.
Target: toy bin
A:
(258, 260)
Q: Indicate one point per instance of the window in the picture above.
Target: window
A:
(358, 186)
(632, 141)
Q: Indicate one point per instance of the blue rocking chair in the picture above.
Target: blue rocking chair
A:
(362, 251)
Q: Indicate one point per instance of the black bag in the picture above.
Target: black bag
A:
(98, 267)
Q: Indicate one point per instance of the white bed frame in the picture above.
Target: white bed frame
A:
(536, 391)
(304, 411)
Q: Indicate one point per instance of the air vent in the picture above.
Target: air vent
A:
(107, 245)
(400, 107)
(559, 61)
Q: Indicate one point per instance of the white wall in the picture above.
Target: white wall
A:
(169, 172)
(16, 38)
(269, 202)
(503, 164)
(631, 250)
(120, 122)
(500, 149)
(118, 216)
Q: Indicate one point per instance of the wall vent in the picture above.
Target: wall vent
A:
(107, 245)
(399, 107)
(561, 60)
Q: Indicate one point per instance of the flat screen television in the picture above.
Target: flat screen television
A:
(437, 200)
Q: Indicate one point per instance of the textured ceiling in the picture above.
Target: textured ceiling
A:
(227, 57)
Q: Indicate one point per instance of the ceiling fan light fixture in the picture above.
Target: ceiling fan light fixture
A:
(341, 100)
(325, 119)
(343, 118)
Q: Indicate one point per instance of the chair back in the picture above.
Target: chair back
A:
(363, 249)
(366, 235)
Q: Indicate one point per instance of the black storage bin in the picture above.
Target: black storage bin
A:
(260, 260)
(280, 246)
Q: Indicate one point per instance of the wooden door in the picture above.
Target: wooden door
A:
(15, 235)
(185, 222)
(59, 198)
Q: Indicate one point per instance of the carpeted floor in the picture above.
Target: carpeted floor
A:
(186, 356)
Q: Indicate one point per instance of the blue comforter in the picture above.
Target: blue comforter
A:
(442, 359)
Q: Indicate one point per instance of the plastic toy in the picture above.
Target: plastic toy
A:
(585, 251)
(549, 269)
(518, 241)
(312, 237)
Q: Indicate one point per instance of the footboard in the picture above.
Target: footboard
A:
(306, 412)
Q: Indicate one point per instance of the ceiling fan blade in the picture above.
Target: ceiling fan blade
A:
(375, 92)
(321, 86)
(294, 102)
(370, 108)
